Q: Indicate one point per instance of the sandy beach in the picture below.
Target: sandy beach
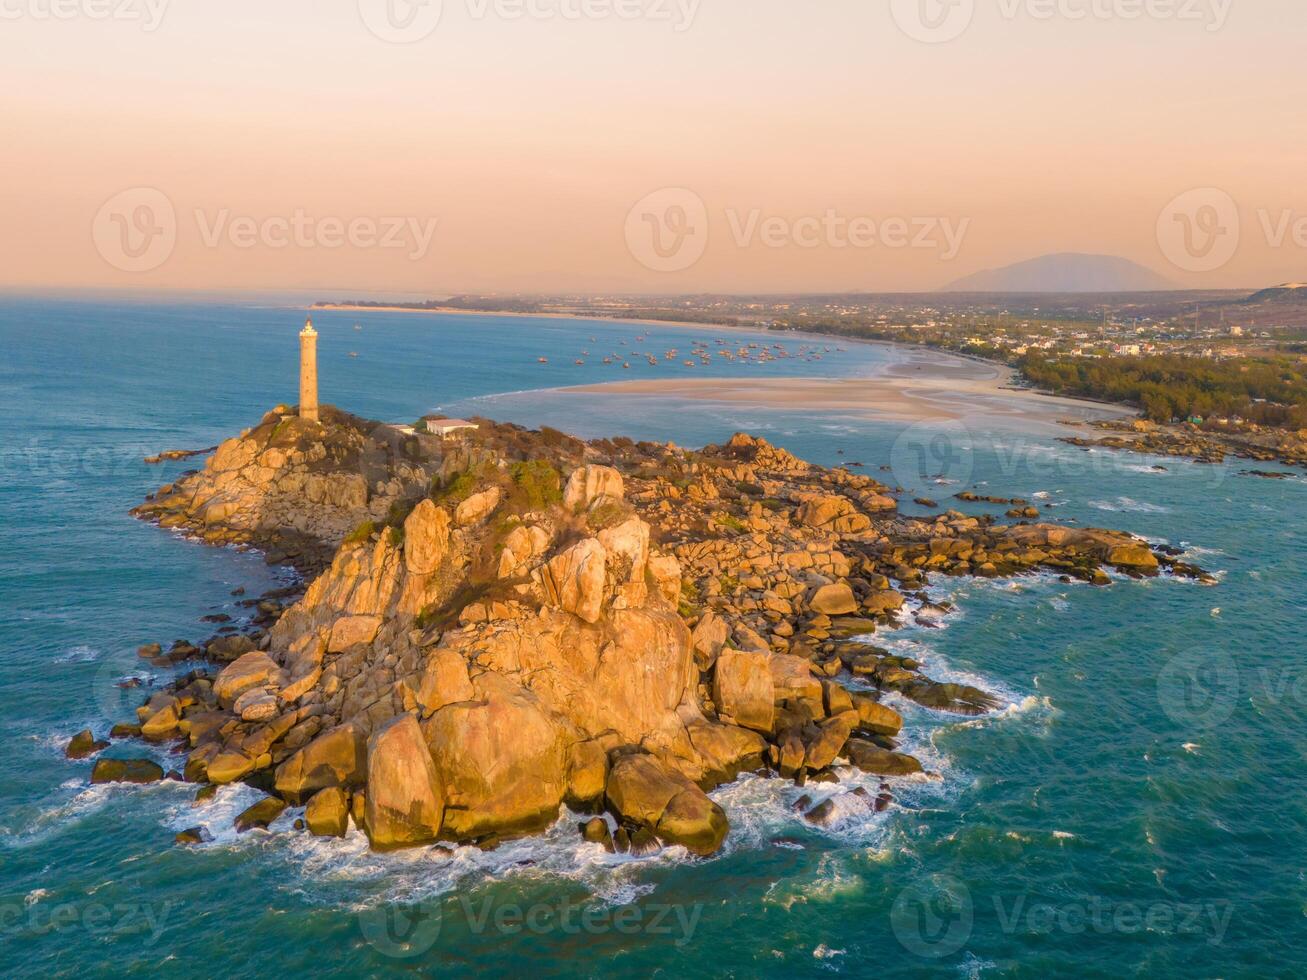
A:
(921, 386)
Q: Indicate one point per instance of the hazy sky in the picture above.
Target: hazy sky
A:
(531, 144)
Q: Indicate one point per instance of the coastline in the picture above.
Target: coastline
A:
(518, 314)
(894, 396)
(899, 394)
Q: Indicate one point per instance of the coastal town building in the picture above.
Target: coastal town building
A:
(309, 372)
(443, 427)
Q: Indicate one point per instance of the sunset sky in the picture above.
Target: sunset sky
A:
(528, 141)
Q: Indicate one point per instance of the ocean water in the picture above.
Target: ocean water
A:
(1136, 808)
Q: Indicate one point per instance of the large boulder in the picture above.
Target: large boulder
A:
(426, 538)
(875, 717)
(827, 741)
(444, 681)
(627, 674)
(665, 570)
(477, 507)
(871, 758)
(404, 803)
(228, 767)
(742, 689)
(589, 484)
(83, 744)
(523, 545)
(587, 774)
(349, 631)
(709, 636)
(645, 793)
(836, 599)
(335, 758)
(884, 602)
(792, 680)
(725, 751)
(626, 548)
(260, 815)
(327, 814)
(251, 670)
(831, 513)
(502, 760)
(574, 580)
(126, 771)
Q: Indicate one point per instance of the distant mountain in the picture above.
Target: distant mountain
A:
(1068, 272)
(1290, 292)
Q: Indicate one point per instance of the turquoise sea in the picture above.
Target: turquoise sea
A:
(1139, 807)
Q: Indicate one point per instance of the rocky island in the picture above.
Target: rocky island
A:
(1203, 444)
(503, 623)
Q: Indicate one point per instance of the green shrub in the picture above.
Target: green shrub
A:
(458, 489)
(536, 485)
(399, 512)
(607, 515)
(731, 522)
(361, 533)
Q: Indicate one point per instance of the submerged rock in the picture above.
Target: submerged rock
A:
(84, 744)
(260, 815)
(871, 758)
(126, 771)
(596, 831)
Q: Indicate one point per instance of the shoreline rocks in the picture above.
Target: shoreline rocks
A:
(1189, 441)
(511, 622)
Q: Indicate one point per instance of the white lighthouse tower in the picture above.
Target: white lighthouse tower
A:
(309, 372)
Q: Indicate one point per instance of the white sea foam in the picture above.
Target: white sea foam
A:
(81, 654)
(972, 966)
(1129, 505)
(53, 817)
(364, 877)
(833, 880)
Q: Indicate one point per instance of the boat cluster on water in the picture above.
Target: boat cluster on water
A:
(702, 353)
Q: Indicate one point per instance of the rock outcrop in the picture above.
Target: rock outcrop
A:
(512, 622)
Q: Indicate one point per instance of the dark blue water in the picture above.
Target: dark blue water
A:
(1137, 808)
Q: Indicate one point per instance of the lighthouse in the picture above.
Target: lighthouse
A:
(309, 372)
